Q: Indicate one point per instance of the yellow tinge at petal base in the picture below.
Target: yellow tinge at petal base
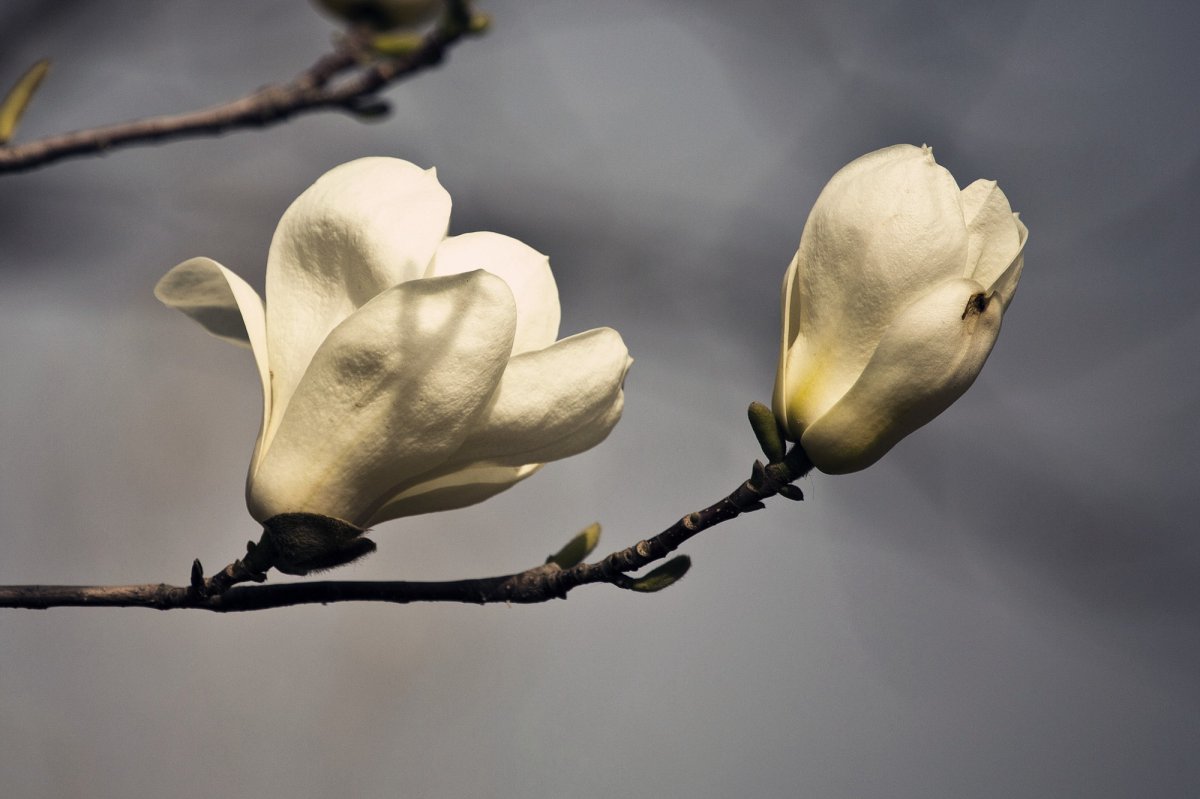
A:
(928, 357)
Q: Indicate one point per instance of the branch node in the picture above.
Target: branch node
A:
(742, 505)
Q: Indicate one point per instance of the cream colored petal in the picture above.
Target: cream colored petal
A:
(993, 238)
(790, 328)
(881, 234)
(524, 269)
(362, 228)
(928, 358)
(390, 394)
(873, 160)
(455, 490)
(225, 306)
(549, 405)
(216, 298)
(590, 432)
(816, 380)
(1006, 285)
(552, 403)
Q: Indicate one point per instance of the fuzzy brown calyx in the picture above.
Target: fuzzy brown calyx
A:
(299, 543)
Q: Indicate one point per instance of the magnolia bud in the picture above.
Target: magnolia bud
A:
(891, 305)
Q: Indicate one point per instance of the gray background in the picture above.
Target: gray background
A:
(1006, 606)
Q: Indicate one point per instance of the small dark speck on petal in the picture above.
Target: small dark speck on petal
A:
(975, 305)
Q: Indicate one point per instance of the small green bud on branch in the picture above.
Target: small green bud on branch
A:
(17, 101)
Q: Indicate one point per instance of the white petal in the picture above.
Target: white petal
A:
(225, 306)
(362, 228)
(1006, 285)
(390, 394)
(886, 229)
(216, 298)
(549, 405)
(455, 490)
(552, 403)
(524, 269)
(993, 236)
(590, 433)
(926, 360)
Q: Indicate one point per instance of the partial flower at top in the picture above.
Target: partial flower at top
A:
(892, 303)
(403, 371)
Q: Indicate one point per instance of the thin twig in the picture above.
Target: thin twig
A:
(539, 584)
(313, 89)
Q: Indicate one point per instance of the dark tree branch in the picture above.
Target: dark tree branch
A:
(312, 90)
(539, 584)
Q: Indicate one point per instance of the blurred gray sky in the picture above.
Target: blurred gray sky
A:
(1005, 606)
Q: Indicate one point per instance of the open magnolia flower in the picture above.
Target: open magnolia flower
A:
(891, 305)
(403, 371)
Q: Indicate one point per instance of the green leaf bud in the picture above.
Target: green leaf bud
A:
(664, 576)
(14, 105)
(577, 548)
(766, 430)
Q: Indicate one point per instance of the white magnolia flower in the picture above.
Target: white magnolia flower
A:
(403, 371)
(892, 303)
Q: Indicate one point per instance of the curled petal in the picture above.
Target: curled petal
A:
(391, 393)
(457, 489)
(1005, 286)
(216, 298)
(929, 356)
(362, 228)
(524, 269)
(993, 238)
(225, 306)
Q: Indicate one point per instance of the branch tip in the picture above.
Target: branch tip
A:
(314, 89)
